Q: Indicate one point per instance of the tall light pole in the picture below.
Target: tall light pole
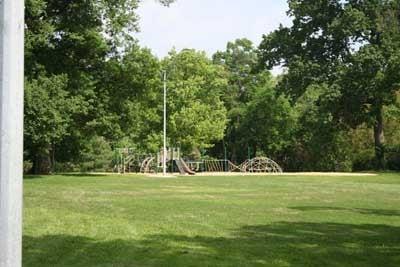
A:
(11, 130)
(165, 126)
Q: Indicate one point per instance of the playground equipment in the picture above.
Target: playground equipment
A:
(146, 165)
(174, 156)
(260, 164)
(125, 160)
(183, 167)
(255, 165)
(219, 166)
(128, 162)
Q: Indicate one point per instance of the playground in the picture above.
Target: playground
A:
(136, 220)
(127, 161)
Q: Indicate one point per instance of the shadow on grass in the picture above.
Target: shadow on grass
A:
(84, 174)
(88, 175)
(280, 244)
(31, 177)
(378, 212)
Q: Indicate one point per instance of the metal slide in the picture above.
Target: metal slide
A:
(183, 167)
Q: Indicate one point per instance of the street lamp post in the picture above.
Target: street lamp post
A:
(165, 126)
(11, 127)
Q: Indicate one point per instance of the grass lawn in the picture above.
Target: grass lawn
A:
(122, 221)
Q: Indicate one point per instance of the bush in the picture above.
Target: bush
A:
(393, 158)
(97, 155)
(28, 165)
(65, 167)
(364, 160)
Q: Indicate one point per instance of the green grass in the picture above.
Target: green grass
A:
(120, 221)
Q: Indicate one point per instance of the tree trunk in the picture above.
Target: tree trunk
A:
(42, 162)
(379, 139)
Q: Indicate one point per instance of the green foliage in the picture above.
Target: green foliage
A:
(316, 143)
(248, 94)
(269, 119)
(49, 111)
(133, 99)
(96, 155)
(90, 88)
(75, 40)
(196, 114)
(352, 48)
(28, 165)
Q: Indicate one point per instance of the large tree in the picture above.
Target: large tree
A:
(259, 117)
(196, 114)
(49, 110)
(268, 121)
(239, 60)
(133, 89)
(352, 47)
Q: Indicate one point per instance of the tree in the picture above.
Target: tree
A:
(351, 46)
(49, 110)
(133, 89)
(72, 39)
(76, 40)
(317, 143)
(196, 114)
(239, 60)
(269, 119)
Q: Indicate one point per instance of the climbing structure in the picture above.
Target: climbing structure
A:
(125, 160)
(260, 164)
(147, 164)
(219, 166)
(154, 164)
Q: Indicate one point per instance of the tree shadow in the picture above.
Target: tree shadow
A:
(279, 244)
(378, 212)
(83, 174)
(32, 177)
(89, 175)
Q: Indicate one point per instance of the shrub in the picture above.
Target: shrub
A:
(393, 158)
(97, 155)
(28, 165)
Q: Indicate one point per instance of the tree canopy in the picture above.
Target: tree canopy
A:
(349, 46)
(91, 88)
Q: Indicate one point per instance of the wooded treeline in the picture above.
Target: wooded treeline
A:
(90, 88)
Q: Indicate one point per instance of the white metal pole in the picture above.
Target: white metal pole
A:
(165, 126)
(11, 128)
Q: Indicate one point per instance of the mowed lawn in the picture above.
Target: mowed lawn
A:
(122, 221)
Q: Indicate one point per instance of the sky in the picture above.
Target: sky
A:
(207, 25)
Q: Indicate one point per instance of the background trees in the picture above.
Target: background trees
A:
(90, 88)
(196, 113)
(349, 46)
(259, 117)
(49, 109)
(90, 45)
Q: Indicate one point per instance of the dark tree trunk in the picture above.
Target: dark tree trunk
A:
(379, 139)
(233, 153)
(42, 161)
